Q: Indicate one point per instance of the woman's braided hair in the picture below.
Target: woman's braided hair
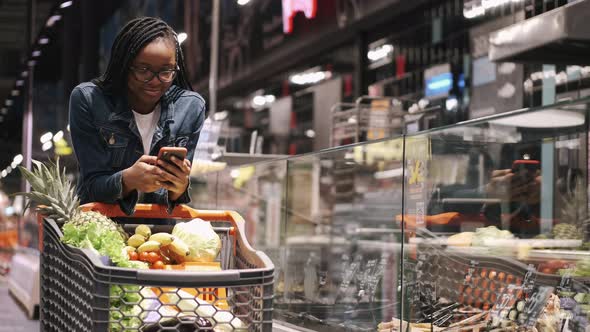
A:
(131, 39)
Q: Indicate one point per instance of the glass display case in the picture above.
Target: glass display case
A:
(477, 226)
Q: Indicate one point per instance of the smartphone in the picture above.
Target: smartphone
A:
(167, 151)
(528, 165)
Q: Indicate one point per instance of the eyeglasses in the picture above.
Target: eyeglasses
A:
(145, 75)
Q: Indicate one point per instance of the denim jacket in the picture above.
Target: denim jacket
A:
(106, 141)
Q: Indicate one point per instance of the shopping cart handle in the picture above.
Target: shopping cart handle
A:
(155, 211)
(188, 276)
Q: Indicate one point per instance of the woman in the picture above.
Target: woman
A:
(120, 121)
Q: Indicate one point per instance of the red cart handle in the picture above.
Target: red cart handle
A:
(161, 211)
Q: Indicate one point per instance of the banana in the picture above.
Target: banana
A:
(149, 246)
(179, 247)
(129, 249)
(164, 238)
(136, 240)
(144, 231)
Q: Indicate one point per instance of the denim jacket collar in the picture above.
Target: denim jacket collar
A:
(122, 112)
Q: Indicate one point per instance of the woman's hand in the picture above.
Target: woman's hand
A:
(143, 176)
(512, 187)
(176, 176)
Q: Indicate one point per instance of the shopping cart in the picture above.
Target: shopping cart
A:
(79, 292)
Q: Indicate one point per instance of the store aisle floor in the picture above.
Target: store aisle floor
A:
(12, 316)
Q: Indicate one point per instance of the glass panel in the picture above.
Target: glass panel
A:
(257, 193)
(341, 253)
(495, 213)
(204, 190)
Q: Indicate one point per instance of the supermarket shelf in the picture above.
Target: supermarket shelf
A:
(559, 254)
(281, 326)
(238, 159)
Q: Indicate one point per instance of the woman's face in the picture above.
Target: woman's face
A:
(159, 56)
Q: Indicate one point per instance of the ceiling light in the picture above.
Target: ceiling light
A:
(8, 169)
(31, 63)
(220, 116)
(4, 111)
(46, 137)
(20, 83)
(550, 118)
(58, 136)
(51, 21)
(36, 53)
(24, 73)
(65, 4)
(182, 37)
(380, 52)
(452, 104)
(243, 2)
(310, 77)
(68, 127)
(472, 9)
(46, 146)
(3, 173)
(15, 93)
(259, 101)
(8, 102)
(18, 159)
(44, 41)
(310, 133)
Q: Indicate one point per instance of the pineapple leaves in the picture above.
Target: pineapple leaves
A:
(51, 190)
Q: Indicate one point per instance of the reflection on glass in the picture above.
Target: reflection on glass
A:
(496, 221)
(479, 226)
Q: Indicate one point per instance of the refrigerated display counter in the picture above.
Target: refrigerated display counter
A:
(479, 225)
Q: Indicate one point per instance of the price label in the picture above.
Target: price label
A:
(506, 300)
(376, 276)
(566, 282)
(535, 305)
(468, 280)
(530, 277)
(368, 270)
(349, 274)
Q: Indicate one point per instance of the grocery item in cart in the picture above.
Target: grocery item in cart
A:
(204, 244)
(56, 197)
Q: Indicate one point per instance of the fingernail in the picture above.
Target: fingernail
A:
(158, 183)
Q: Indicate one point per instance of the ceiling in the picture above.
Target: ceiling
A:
(13, 48)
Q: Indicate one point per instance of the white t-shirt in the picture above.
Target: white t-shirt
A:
(146, 124)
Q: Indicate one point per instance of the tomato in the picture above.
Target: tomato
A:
(158, 265)
(153, 257)
(144, 256)
(133, 256)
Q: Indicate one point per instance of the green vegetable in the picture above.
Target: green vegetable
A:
(580, 297)
(204, 244)
(491, 232)
(124, 310)
(513, 315)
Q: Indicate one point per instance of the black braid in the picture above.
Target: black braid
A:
(131, 39)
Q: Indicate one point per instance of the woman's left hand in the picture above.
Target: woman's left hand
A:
(176, 177)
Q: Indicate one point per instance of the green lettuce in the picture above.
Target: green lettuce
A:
(124, 311)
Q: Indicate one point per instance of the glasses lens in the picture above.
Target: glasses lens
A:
(167, 75)
(143, 74)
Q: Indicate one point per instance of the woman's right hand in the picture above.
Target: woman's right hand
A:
(143, 176)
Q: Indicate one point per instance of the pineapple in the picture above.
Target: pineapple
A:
(574, 214)
(56, 198)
